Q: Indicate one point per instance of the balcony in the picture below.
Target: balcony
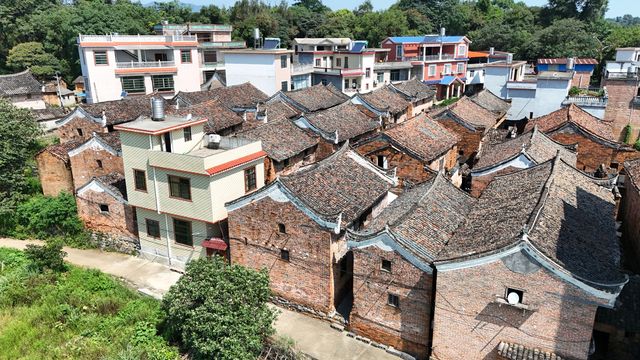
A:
(145, 64)
(300, 69)
(213, 65)
(224, 44)
(436, 57)
(622, 75)
(590, 101)
(135, 39)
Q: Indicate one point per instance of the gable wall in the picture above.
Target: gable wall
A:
(85, 165)
(68, 131)
(119, 220)
(54, 174)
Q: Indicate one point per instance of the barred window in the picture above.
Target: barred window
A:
(100, 58)
(182, 232)
(133, 84)
(162, 82)
(185, 56)
(250, 179)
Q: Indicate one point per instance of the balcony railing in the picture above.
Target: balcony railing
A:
(621, 75)
(223, 44)
(217, 64)
(429, 57)
(586, 101)
(144, 64)
(301, 68)
(137, 38)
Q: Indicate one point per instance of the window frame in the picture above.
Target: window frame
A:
(460, 68)
(179, 183)
(346, 62)
(169, 86)
(434, 68)
(136, 172)
(346, 84)
(155, 223)
(380, 77)
(399, 51)
(135, 80)
(99, 163)
(102, 211)
(388, 266)
(318, 62)
(283, 61)
(285, 255)
(445, 71)
(182, 57)
(250, 173)
(393, 300)
(282, 228)
(367, 73)
(186, 133)
(284, 86)
(80, 131)
(106, 58)
(338, 62)
(189, 232)
(464, 49)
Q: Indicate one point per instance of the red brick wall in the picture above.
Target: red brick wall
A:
(119, 220)
(469, 323)
(69, 131)
(55, 175)
(406, 328)
(631, 222)
(470, 140)
(85, 165)
(619, 110)
(255, 242)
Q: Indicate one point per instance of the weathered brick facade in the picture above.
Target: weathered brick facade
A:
(55, 174)
(630, 211)
(255, 241)
(79, 129)
(274, 169)
(620, 111)
(118, 220)
(470, 140)
(85, 165)
(469, 322)
(405, 327)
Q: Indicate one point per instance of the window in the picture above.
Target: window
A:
(182, 232)
(179, 187)
(367, 73)
(185, 56)
(153, 228)
(393, 300)
(79, 131)
(346, 84)
(210, 57)
(133, 84)
(318, 62)
(140, 180)
(100, 58)
(386, 265)
(338, 62)
(104, 208)
(382, 161)
(462, 49)
(282, 229)
(99, 163)
(249, 179)
(514, 296)
(324, 82)
(284, 86)
(167, 141)
(398, 51)
(432, 70)
(162, 82)
(380, 77)
(460, 68)
(447, 69)
(531, 115)
(346, 62)
(284, 254)
(399, 75)
(283, 61)
(187, 133)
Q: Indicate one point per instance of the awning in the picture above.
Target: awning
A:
(215, 244)
(448, 80)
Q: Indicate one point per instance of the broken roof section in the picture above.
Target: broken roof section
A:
(333, 192)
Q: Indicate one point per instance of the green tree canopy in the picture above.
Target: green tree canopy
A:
(32, 55)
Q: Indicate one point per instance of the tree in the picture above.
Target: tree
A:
(47, 257)
(46, 217)
(219, 311)
(18, 143)
(32, 55)
(563, 38)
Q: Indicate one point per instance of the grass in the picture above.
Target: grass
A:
(78, 314)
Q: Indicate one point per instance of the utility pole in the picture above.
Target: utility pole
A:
(58, 89)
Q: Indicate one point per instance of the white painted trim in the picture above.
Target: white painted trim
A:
(94, 144)
(520, 161)
(96, 185)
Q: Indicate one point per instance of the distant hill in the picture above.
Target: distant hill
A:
(194, 7)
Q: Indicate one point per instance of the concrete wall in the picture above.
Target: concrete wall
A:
(260, 69)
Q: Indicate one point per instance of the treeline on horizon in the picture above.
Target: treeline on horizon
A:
(41, 34)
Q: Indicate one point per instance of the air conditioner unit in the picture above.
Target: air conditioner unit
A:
(213, 141)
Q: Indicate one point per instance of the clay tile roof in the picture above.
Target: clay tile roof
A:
(347, 119)
(278, 110)
(422, 137)
(344, 183)
(52, 113)
(511, 351)
(633, 172)
(115, 181)
(468, 111)
(538, 147)
(219, 116)
(386, 99)
(112, 139)
(568, 217)
(121, 111)
(573, 114)
(317, 97)
(22, 83)
(564, 61)
(78, 80)
(62, 150)
(491, 102)
(416, 89)
(426, 215)
(281, 139)
(236, 96)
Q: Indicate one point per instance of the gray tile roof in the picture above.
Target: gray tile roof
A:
(386, 99)
(416, 89)
(512, 351)
(236, 96)
(316, 97)
(281, 139)
(347, 119)
(491, 102)
(114, 181)
(626, 313)
(219, 117)
(468, 113)
(124, 110)
(22, 83)
(566, 215)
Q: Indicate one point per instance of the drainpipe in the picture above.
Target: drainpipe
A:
(166, 224)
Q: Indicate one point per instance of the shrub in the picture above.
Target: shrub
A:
(574, 91)
(448, 102)
(627, 133)
(219, 311)
(47, 257)
(636, 145)
(46, 217)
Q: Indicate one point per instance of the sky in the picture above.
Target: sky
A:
(616, 7)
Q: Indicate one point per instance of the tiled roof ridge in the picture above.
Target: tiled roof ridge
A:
(23, 72)
(634, 180)
(544, 195)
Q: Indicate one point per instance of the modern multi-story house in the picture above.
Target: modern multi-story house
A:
(443, 59)
(180, 59)
(178, 179)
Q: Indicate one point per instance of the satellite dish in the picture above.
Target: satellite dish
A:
(513, 298)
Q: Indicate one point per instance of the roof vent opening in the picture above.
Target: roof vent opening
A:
(157, 109)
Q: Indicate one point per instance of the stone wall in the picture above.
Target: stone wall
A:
(255, 241)
(54, 173)
(85, 165)
(406, 327)
(69, 131)
(470, 322)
